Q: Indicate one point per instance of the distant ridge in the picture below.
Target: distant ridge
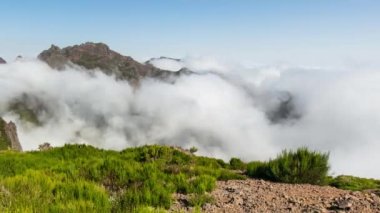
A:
(2, 61)
(99, 56)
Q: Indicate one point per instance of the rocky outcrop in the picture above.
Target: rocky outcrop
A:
(99, 56)
(8, 136)
(250, 195)
(2, 61)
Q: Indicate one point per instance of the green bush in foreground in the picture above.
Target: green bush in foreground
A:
(80, 178)
(37, 191)
(300, 166)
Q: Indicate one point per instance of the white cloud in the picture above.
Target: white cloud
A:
(222, 112)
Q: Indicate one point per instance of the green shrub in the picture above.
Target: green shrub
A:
(237, 164)
(200, 200)
(193, 149)
(148, 195)
(37, 191)
(81, 178)
(258, 169)
(230, 175)
(202, 184)
(354, 183)
(301, 166)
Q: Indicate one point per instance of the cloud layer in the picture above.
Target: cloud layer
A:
(226, 110)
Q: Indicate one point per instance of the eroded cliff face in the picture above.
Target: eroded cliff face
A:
(8, 136)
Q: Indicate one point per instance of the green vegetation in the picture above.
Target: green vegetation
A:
(300, 166)
(237, 164)
(354, 183)
(193, 149)
(80, 178)
(200, 200)
(25, 113)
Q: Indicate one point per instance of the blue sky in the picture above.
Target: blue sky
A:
(319, 32)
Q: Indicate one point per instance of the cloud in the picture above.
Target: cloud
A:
(199, 64)
(226, 110)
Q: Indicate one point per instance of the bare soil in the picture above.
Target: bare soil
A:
(262, 196)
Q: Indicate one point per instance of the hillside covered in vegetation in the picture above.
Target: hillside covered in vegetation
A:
(81, 178)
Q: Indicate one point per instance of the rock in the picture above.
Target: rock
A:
(8, 136)
(2, 61)
(99, 56)
(256, 196)
(344, 204)
(230, 189)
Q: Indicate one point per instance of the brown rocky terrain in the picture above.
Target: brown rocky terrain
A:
(2, 61)
(8, 136)
(261, 196)
(99, 56)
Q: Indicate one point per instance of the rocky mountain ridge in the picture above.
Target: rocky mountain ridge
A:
(99, 56)
(8, 136)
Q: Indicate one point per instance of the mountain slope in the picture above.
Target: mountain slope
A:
(79, 178)
(99, 56)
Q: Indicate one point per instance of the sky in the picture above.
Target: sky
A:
(310, 33)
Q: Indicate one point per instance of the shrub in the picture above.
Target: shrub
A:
(202, 184)
(81, 178)
(37, 191)
(193, 149)
(258, 169)
(200, 200)
(354, 183)
(230, 175)
(301, 166)
(237, 164)
(136, 196)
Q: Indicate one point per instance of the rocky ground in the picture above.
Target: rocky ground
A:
(262, 196)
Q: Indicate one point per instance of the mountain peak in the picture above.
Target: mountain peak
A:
(97, 56)
(2, 61)
(92, 55)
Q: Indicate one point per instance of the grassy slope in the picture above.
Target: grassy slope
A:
(354, 183)
(79, 178)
